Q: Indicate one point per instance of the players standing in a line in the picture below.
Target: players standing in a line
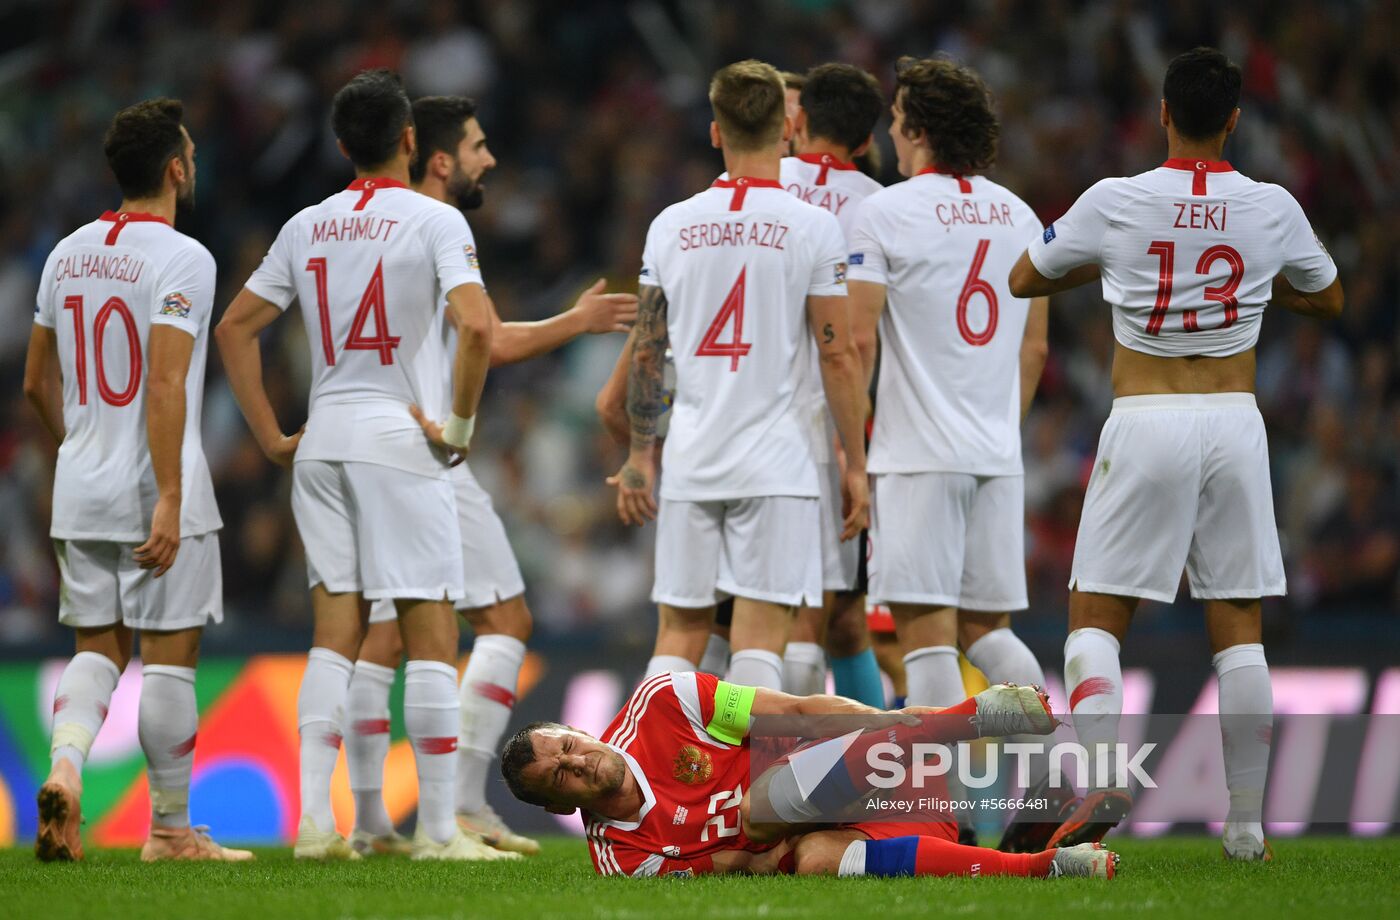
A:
(840, 105)
(123, 317)
(1190, 254)
(452, 159)
(960, 360)
(740, 279)
(370, 493)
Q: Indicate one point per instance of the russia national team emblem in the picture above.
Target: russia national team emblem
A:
(472, 260)
(175, 304)
(1049, 233)
(840, 272)
(692, 766)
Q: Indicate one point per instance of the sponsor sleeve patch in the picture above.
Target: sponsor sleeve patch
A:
(857, 258)
(1049, 233)
(733, 703)
(175, 304)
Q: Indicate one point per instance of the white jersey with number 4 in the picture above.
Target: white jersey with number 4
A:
(370, 266)
(103, 288)
(950, 335)
(736, 263)
(1187, 253)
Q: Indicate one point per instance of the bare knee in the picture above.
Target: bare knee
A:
(508, 618)
(847, 633)
(1110, 612)
(820, 853)
(974, 624)
(112, 642)
(383, 645)
(179, 649)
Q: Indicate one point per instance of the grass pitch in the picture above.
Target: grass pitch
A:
(1181, 877)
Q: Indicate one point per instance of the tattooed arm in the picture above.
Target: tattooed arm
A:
(646, 387)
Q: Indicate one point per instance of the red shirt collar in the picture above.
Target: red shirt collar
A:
(827, 160)
(746, 181)
(1198, 165)
(125, 216)
(964, 186)
(374, 182)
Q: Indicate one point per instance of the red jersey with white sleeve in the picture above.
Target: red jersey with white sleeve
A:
(950, 335)
(370, 266)
(736, 263)
(1187, 253)
(691, 782)
(102, 289)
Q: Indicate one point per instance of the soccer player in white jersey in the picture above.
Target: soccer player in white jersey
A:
(1189, 254)
(371, 494)
(734, 278)
(960, 361)
(452, 159)
(123, 318)
(839, 106)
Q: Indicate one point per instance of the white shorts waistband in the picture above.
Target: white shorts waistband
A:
(1155, 401)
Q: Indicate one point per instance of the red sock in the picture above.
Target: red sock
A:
(937, 856)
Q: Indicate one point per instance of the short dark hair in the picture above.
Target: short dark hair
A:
(368, 116)
(1202, 88)
(842, 103)
(518, 754)
(440, 123)
(141, 141)
(953, 107)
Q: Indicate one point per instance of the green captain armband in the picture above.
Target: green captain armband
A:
(733, 703)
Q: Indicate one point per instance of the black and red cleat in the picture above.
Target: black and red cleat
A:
(1098, 814)
(1030, 829)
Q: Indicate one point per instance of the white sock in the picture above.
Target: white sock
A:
(367, 743)
(1094, 681)
(167, 722)
(1246, 729)
(853, 860)
(660, 664)
(431, 714)
(487, 699)
(934, 676)
(1004, 658)
(716, 658)
(80, 704)
(320, 714)
(804, 668)
(752, 667)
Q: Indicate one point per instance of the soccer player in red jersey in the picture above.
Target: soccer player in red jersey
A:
(666, 789)
(453, 157)
(123, 318)
(1188, 255)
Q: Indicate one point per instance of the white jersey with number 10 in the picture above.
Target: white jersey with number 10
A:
(736, 263)
(1187, 253)
(950, 336)
(370, 266)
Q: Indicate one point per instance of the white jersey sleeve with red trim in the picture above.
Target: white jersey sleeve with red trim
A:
(1307, 264)
(1075, 237)
(103, 288)
(370, 267)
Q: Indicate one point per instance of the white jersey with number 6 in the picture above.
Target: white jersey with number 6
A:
(370, 266)
(950, 336)
(736, 263)
(1187, 253)
(103, 288)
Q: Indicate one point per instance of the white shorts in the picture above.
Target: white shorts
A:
(489, 567)
(949, 540)
(376, 530)
(1180, 480)
(102, 585)
(757, 548)
(840, 561)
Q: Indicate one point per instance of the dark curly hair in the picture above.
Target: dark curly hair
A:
(951, 105)
(518, 754)
(141, 140)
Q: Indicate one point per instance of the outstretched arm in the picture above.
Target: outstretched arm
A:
(595, 313)
(646, 400)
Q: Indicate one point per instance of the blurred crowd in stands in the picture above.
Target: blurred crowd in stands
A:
(597, 113)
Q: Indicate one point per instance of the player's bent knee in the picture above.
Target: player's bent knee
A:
(819, 853)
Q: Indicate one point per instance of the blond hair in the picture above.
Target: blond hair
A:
(749, 103)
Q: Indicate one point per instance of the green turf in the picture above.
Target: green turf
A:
(1185, 877)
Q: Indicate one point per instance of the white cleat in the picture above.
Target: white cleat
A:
(1087, 860)
(1006, 709)
(318, 844)
(488, 827)
(459, 848)
(390, 844)
(1240, 844)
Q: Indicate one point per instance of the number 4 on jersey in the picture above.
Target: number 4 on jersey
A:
(733, 307)
(372, 301)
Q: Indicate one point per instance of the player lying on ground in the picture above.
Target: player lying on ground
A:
(666, 789)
